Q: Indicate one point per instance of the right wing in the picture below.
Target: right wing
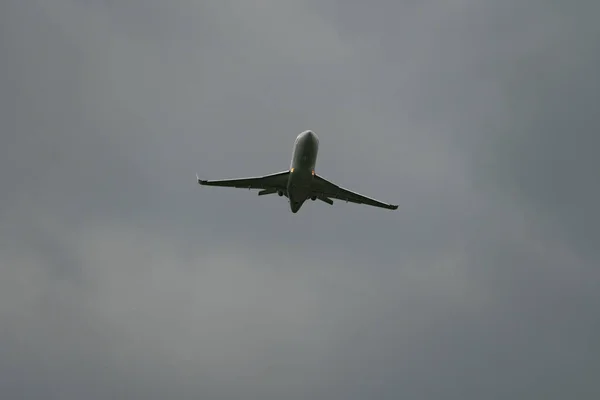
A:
(323, 188)
(277, 181)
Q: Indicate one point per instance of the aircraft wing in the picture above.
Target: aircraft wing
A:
(270, 182)
(324, 188)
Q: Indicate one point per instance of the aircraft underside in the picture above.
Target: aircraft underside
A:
(300, 182)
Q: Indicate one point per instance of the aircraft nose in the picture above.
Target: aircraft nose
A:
(311, 135)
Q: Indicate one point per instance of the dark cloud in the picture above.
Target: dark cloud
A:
(121, 278)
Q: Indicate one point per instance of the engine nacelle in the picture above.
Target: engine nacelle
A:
(280, 193)
(313, 198)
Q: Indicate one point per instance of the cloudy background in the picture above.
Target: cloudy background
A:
(121, 278)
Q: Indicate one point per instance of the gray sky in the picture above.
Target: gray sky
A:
(122, 278)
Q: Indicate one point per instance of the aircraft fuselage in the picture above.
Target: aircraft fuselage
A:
(302, 169)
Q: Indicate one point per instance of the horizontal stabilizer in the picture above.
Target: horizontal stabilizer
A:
(267, 191)
(326, 200)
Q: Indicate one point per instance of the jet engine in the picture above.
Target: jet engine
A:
(313, 198)
(280, 193)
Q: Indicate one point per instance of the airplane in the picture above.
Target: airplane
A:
(300, 182)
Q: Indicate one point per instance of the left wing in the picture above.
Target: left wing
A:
(322, 187)
(272, 182)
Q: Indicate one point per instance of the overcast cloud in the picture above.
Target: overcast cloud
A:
(121, 278)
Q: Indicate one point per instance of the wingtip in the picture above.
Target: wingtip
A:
(393, 207)
(200, 181)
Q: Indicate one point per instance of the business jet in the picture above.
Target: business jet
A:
(300, 182)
